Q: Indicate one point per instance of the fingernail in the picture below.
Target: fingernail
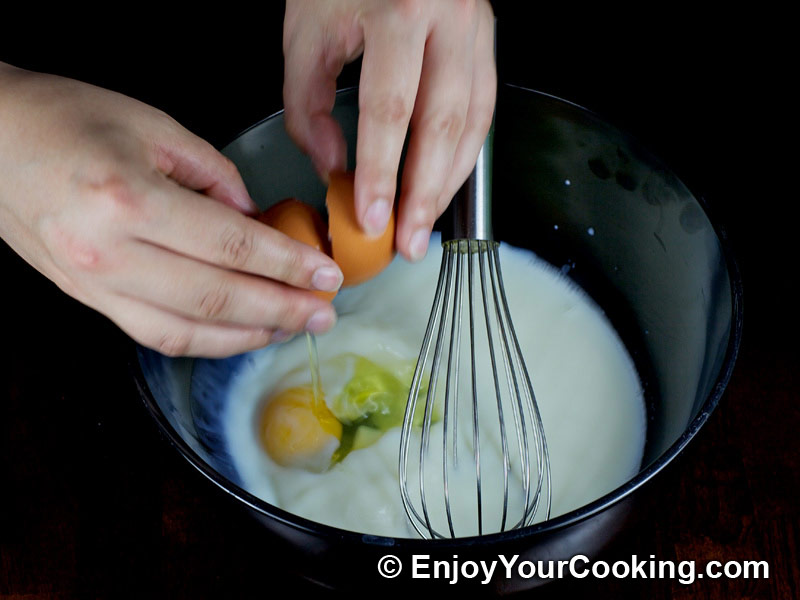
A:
(327, 279)
(280, 335)
(377, 216)
(320, 322)
(418, 245)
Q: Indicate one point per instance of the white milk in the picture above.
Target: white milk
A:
(588, 392)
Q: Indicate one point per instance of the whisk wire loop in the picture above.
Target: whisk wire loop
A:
(540, 441)
(505, 496)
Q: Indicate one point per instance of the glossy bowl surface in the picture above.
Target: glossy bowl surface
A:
(587, 198)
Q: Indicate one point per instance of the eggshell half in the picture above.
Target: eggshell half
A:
(360, 256)
(300, 222)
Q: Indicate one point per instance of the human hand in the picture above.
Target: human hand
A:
(136, 217)
(427, 64)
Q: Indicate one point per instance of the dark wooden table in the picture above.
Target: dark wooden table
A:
(94, 504)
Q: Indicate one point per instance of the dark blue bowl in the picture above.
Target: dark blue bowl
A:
(662, 272)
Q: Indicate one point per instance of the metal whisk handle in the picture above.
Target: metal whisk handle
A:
(472, 205)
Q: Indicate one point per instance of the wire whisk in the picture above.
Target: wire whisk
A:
(473, 455)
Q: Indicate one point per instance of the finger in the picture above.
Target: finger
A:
(196, 226)
(481, 107)
(174, 335)
(197, 165)
(206, 293)
(309, 93)
(393, 51)
(436, 128)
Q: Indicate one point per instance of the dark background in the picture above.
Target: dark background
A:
(93, 503)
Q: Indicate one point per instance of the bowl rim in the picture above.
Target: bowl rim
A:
(562, 521)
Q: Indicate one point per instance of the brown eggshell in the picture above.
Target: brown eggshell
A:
(300, 222)
(360, 256)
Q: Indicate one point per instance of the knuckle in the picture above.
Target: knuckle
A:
(296, 270)
(83, 256)
(163, 119)
(409, 9)
(481, 117)
(291, 267)
(466, 10)
(118, 195)
(293, 124)
(215, 302)
(229, 167)
(174, 343)
(236, 245)
(484, 119)
(423, 207)
(388, 109)
(290, 314)
(449, 124)
(71, 249)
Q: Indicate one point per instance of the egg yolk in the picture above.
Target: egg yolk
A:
(298, 430)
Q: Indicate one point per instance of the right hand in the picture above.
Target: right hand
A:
(428, 65)
(135, 216)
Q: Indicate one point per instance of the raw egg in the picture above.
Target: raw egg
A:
(298, 430)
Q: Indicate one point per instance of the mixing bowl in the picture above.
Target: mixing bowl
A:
(587, 198)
